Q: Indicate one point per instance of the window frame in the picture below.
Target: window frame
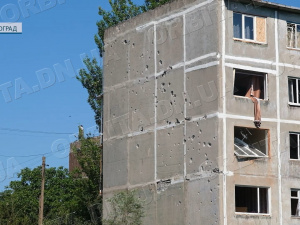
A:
(296, 37)
(297, 91)
(298, 144)
(293, 197)
(258, 200)
(256, 73)
(254, 40)
(253, 156)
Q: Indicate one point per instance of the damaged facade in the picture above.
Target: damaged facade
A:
(201, 112)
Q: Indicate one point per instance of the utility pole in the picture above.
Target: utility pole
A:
(41, 203)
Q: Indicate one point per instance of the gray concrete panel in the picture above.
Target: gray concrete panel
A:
(265, 167)
(251, 49)
(290, 167)
(170, 98)
(115, 163)
(241, 105)
(118, 109)
(141, 101)
(148, 196)
(202, 147)
(170, 158)
(170, 205)
(202, 92)
(287, 55)
(141, 53)
(202, 35)
(288, 111)
(141, 159)
(115, 65)
(169, 43)
(202, 201)
(288, 184)
(235, 218)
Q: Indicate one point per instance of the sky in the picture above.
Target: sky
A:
(39, 115)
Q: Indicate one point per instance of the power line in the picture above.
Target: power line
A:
(25, 135)
(9, 167)
(31, 131)
(32, 159)
(23, 156)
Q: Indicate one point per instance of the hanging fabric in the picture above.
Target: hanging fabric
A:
(254, 93)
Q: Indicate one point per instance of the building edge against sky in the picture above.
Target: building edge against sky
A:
(179, 84)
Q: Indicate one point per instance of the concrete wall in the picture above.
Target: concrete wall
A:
(277, 171)
(161, 88)
(170, 112)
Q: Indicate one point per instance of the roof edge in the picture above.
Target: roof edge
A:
(271, 5)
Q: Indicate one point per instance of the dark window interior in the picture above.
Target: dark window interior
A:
(294, 146)
(246, 199)
(263, 200)
(257, 138)
(294, 202)
(293, 92)
(244, 80)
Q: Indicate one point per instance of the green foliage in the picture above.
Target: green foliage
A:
(91, 80)
(89, 158)
(126, 209)
(152, 4)
(121, 10)
(64, 196)
(91, 77)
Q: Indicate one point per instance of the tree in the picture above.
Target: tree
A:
(152, 4)
(121, 10)
(126, 209)
(64, 200)
(89, 158)
(91, 80)
(91, 77)
(88, 152)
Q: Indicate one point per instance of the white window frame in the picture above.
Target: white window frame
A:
(298, 198)
(248, 72)
(254, 28)
(250, 152)
(246, 146)
(296, 37)
(298, 144)
(297, 91)
(258, 200)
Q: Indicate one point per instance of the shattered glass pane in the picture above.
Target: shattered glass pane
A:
(242, 149)
(291, 28)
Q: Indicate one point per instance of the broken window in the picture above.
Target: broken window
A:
(248, 27)
(251, 199)
(295, 203)
(250, 83)
(294, 145)
(250, 142)
(293, 35)
(294, 91)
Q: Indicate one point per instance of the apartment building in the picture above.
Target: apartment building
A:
(202, 112)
